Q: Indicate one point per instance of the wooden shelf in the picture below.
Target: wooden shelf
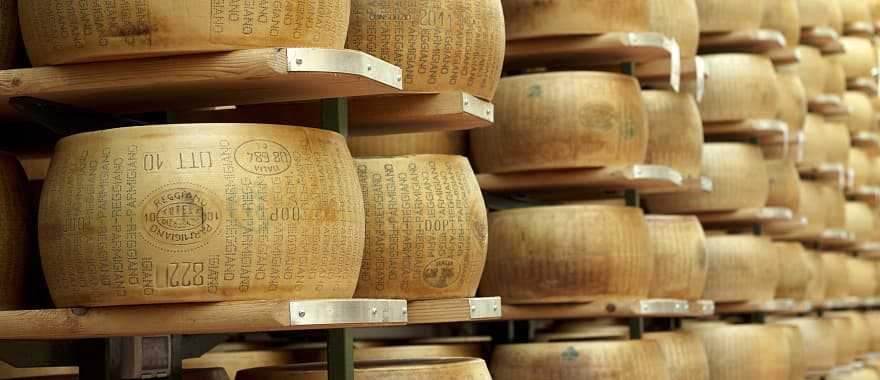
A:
(745, 217)
(609, 309)
(758, 41)
(867, 250)
(829, 239)
(780, 306)
(658, 75)
(872, 302)
(784, 56)
(581, 183)
(827, 172)
(867, 194)
(784, 226)
(840, 304)
(868, 140)
(762, 129)
(818, 36)
(577, 52)
(859, 28)
(454, 310)
(449, 111)
(866, 85)
(828, 105)
(204, 80)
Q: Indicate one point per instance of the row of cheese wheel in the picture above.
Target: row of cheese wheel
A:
(450, 45)
(585, 253)
(199, 213)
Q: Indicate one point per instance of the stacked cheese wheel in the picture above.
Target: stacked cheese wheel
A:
(542, 255)
(785, 185)
(817, 13)
(441, 45)
(675, 132)
(434, 369)
(860, 220)
(792, 101)
(861, 112)
(233, 361)
(678, 19)
(860, 165)
(835, 76)
(837, 273)
(684, 354)
(818, 284)
(860, 57)
(862, 277)
(677, 244)
(57, 32)
(747, 352)
(844, 333)
(16, 233)
(741, 268)
(794, 271)
(742, 86)
(628, 360)
(782, 15)
(531, 19)
(726, 16)
(563, 120)
(426, 228)
(811, 70)
(819, 339)
(198, 213)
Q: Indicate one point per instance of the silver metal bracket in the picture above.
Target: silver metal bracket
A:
(347, 312)
(663, 307)
(485, 308)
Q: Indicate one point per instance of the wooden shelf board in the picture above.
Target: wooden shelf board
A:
(782, 227)
(868, 250)
(828, 172)
(828, 105)
(454, 310)
(780, 306)
(834, 47)
(448, 111)
(607, 309)
(583, 182)
(866, 85)
(204, 80)
(831, 239)
(592, 50)
(868, 140)
(840, 304)
(746, 217)
(758, 41)
(867, 194)
(784, 56)
(818, 36)
(859, 28)
(658, 74)
(746, 129)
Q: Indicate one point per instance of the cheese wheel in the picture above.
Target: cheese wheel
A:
(815, 149)
(627, 360)
(861, 116)
(859, 58)
(739, 179)
(792, 101)
(542, 255)
(678, 19)
(684, 354)
(9, 372)
(257, 211)
(837, 143)
(812, 70)
(834, 201)
(860, 165)
(444, 142)
(746, 352)
(677, 244)
(726, 16)
(874, 7)
(862, 277)
(441, 45)
(427, 369)
(797, 353)
(860, 220)
(818, 283)
(794, 271)
(874, 169)
(235, 361)
(62, 31)
(740, 268)
(863, 374)
(855, 11)
(835, 76)
(426, 228)
(675, 132)
(742, 86)
(844, 332)
(837, 273)
(815, 13)
(782, 15)
(872, 318)
(784, 190)
(411, 352)
(812, 206)
(819, 342)
(194, 374)
(537, 19)
(835, 16)
(16, 233)
(860, 338)
(563, 120)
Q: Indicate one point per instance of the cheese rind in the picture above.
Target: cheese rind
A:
(677, 244)
(742, 86)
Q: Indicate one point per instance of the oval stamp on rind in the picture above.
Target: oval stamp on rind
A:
(263, 157)
(181, 215)
(441, 273)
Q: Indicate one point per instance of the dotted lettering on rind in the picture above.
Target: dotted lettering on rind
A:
(263, 157)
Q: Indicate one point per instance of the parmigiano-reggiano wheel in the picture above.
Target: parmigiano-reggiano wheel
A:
(815, 151)
(859, 58)
(677, 244)
(844, 334)
(861, 220)
(835, 76)
(441, 45)
(815, 13)
(411, 352)
(684, 354)
(792, 102)
(451, 142)
(61, 31)
(835, 16)
(837, 272)
(234, 361)
(782, 15)
(794, 271)
(784, 190)
(746, 352)
(426, 369)
(812, 206)
(874, 6)
(677, 19)
(811, 69)
(861, 116)
(860, 338)
(855, 11)
(860, 164)
(797, 354)
(818, 279)
(542, 255)
(236, 201)
(819, 339)
(834, 201)
(537, 19)
(874, 169)
(741, 268)
(739, 178)
(9, 372)
(862, 277)
(873, 320)
(675, 132)
(727, 16)
(563, 120)
(837, 143)
(16, 233)
(742, 86)
(627, 360)
(859, 374)
(426, 228)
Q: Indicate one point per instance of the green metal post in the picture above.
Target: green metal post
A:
(334, 115)
(340, 355)
(632, 198)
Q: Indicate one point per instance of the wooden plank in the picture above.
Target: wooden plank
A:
(607, 308)
(868, 140)
(764, 129)
(204, 80)
(449, 111)
(657, 74)
(582, 182)
(756, 41)
(830, 239)
(203, 318)
(745, 217)
(828, 105)
(783, 56)
(866, 85)
(867, 194)
(454, 310)
(591, 51)
(859, 28)
(779, 306)
(818, 36)
(827, 172)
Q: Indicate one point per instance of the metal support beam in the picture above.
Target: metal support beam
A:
(758, 229)
(636, 328)
(334, 115)
(755, 318)
(628, 68)
(340, 355)
(632, 198)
